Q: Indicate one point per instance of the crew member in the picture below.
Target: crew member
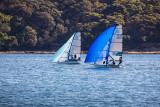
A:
(120, 60)
(113, 62)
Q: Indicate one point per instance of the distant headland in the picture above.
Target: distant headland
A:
(48, 24)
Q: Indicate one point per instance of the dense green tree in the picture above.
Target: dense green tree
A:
(28, 37)
(47, 24)
(7, 42)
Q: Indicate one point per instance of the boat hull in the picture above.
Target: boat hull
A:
(70, 62)
(108, 66)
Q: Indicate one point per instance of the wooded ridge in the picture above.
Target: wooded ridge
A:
(48, 24)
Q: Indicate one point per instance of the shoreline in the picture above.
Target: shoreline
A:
(83, 52)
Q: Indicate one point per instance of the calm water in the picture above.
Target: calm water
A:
(31, 80)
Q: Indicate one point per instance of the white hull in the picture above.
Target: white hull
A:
(70, 62)
(108, 66)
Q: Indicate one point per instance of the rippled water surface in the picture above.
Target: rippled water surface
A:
(31, 80)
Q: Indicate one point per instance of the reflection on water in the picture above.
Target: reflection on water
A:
(31, 80)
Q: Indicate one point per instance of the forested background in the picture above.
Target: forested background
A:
(48, 24)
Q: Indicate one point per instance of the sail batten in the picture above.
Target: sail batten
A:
(75, 48)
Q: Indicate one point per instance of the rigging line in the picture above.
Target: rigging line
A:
(110, 44)
(100, 53)
(110, 56)
(71, 46)
(108, 51)
(105, 46)
(64, 51)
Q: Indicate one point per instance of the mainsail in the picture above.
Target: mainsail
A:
(115, 51)
(107, 46)
(72, 46)
(75, 49)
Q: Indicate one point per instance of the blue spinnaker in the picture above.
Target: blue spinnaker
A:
(98, 45)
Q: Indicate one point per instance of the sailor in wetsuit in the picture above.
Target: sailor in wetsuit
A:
(105, 62)
(113, 62)
(120, 60)
(75, 56)
(79, 58)
(71, 56)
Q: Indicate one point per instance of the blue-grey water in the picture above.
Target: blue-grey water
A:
(31, 80)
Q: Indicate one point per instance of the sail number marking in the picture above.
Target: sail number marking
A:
(119, 36)
(76, 37)
(117, 31)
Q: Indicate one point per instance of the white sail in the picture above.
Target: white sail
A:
(62, 54)
(75, 50)
(70, 50)
(115, 51)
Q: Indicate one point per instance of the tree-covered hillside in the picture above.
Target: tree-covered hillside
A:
(48, 24)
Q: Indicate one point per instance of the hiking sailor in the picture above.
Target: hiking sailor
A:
(120, 60)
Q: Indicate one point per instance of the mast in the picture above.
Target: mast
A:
(108, 51)
(61, 54)
(110, 40)
(71, 45)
